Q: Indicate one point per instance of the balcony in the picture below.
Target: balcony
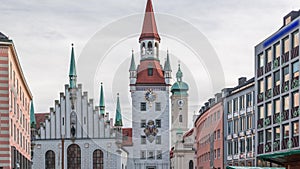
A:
(276, 63)
(267, 121)
(277, 117)
(276, 145)
(268, 147)
(276, 90)
(295, 82)
(286, 143)
(260, 149)
(268, 67)
(260, 97)
(285, 57)
(260, 71)
(295, 141)
(260, 123)
(268, 94)
(295, 52)
(285, 87)
(295, 112)
(285, 115)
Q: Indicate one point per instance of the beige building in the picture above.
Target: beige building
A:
(15, 98)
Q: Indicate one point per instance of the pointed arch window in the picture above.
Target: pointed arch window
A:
(98, 159)
(74, 157)
(50, 159)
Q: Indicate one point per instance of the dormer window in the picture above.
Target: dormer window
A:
(150, 71)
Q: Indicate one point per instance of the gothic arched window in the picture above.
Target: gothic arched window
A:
(74, 157)
(50, 159)
(98, 159)
(191, 164)
(180, 118)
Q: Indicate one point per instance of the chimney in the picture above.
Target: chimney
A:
(242, 80)
(218, 97)
(226, 92)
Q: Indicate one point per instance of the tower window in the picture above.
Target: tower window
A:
(143, 106)
(143, 139)
(158, 123)
(180, 118)
(143, 123)
(157, 106)
(158, 139)
(150, 71)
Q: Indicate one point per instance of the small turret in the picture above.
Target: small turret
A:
(72, 73)
(32, 116)
(167, 70)
(101, 101)
(118, 120)
(132, 70)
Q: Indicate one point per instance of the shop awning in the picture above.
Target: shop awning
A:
(289, 156)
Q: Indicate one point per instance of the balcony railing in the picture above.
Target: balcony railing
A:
(285, 57)
(276, 145)
(295, 82)
(268, 147)
(260, 149)
(285, 87)
(260, 123)
(295, 52)
(295, 141)
(276, 63)
(260, 71)
(295, 112)
(268, 94)
(268, 67)
(285, 115)
(286, 143)
(260, 97)
(276, 90)
(277, 118)
(267, 121)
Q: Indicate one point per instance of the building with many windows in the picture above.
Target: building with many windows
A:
(15, 98)
(77, 134)
(208, 128)
(277, 97)
(239, 130)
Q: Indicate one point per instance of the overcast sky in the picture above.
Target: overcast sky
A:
(43, 31)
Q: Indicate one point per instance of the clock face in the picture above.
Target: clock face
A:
(180, 103)
(150, 96)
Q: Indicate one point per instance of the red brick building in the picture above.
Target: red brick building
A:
(209, 135)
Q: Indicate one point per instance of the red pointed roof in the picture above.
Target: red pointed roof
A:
(142, 73)
(149, 27)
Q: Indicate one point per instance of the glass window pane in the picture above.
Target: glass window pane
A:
(286, 103)
(269, 109)
(296, 99)
(277, 133)
(277, 50)
(269, 55)
(261, 60)
(277, 106)
(285, 46)
(295, 39)
(277, 78)
(286, 130)
(261, 113)
(268, 135)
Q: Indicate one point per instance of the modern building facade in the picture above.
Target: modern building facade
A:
(150, 93)
(77, 134)
(15, 98)
(208, 130)
(239, 128)
(277, 97)
(182, 139)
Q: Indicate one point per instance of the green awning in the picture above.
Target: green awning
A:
(233, 167)
(279, 154)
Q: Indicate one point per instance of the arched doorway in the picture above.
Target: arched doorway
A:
(74, 157)
(98, 159)
(50, 159)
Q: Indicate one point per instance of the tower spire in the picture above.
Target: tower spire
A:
(32, 116)
(72, 73)
(101, 101)
(132, 64)
(118, 120)
(149, 27)
(167, 66)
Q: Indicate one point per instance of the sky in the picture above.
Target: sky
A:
(43, 31)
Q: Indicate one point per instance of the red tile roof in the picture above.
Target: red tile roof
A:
(142, 73)
(40, 117)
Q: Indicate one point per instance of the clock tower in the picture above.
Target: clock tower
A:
(149, 87)
(179, 102)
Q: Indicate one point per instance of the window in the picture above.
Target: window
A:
(249, 144)
(191, 164)
(229, 148)
(218, 153)
(261, 113)
(242, 146)
(260, 137)
(180, 118)
(157, 106)
(236, 122)
(285, 45)
(150, 71)
(143, 154)
(277, 50)
(261, 60)
(242, 102)
(277, 78)
(276, 133)
(158, 123)
(143, 123)
(98, 160)
(50, 159)
(269, 82)
(236, 147)
(151, 155)
(286, 76)
(295, 39)
(249, 99)
(286, 130)
(143, 106)
(159, 154)
(229, 127)
(286, 103)
(268, 109)
(295, 68)
(261, 87)
(295, 99)
(229, 107)
(249, 121)
(242, 123)
(143, 139)
(74, 157)
(269, 55)
(158, 140)
(269, 135)
(218, 134)
(235, 105)
(295, 128)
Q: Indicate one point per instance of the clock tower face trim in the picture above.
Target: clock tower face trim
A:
(180, 103)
